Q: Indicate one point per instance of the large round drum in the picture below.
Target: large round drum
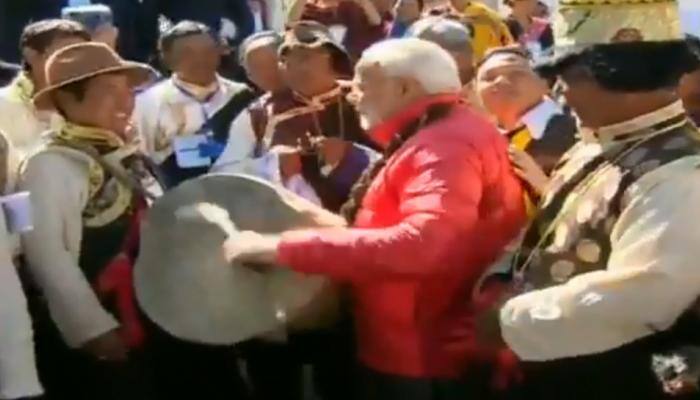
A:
(184, 284)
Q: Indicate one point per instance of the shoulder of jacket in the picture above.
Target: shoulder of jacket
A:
(476, 8)
(233, 86)
(59, 159)
(155, 91)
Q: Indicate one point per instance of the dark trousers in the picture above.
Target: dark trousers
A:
(165, 369)
(324, 360)
(189, 371)
(379, 386)
(70, 374)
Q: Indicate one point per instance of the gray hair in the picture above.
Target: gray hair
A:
(424, 61)
(447, 33)
(257, 40)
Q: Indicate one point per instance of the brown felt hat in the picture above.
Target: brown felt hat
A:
(86, 60)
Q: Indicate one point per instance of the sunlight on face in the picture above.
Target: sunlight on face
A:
(262, 66)
(375, 95)
(507, 85)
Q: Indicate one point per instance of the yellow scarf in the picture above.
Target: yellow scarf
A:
(21, 88)
(520, 138)
(104, 141)
(101, 139)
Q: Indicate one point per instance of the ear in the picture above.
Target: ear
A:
(31, 56)
(409, 87)
(169, 59)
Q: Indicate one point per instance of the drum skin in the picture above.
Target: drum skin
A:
(184, 284)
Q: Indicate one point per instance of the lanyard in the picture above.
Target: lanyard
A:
(202, 106)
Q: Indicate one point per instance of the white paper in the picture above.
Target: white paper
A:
(17, 208)
(187, 151)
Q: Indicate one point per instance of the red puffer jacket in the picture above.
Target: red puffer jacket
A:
(444, 207)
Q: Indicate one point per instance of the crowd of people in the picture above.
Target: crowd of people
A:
(519, 191)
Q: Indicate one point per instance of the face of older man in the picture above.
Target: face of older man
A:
(262, 66)
(509, 87)
(378, 96)
(308, 71)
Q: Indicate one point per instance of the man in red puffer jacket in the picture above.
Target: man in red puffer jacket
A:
(427, 222)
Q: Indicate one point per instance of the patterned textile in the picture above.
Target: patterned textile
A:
(111, 219)
(571, 234)
(582, 23)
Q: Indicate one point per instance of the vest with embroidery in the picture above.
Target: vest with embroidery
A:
(109, 218)
(286, 118)
(112, 210)
(571, 234)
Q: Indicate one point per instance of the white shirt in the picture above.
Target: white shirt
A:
(58, 180)
(18, 374)
(652, 276)
(23, 124)
(537, 118)
(163, 112)
(238, 157)
(240, 147)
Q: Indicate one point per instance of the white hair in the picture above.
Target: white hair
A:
(426, 62)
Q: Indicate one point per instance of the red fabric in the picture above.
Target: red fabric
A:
(116, 281)
(360, 33)
(441, 211)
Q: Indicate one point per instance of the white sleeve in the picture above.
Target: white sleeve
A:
(652, 277)
(58, 187)
(240, 146)
(145, 121)
(18, 374)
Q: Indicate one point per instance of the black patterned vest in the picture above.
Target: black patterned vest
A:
(571, 236)
(108, 218)
(111, 214)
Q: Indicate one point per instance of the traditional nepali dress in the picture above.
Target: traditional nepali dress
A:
(80, 255)
(608, 269)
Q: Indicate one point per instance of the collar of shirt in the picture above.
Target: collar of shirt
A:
(201, 94)
(665, 118)
(385, 131)
(100, 138)
(538, 117)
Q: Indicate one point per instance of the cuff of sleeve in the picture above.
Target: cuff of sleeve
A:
(92, 327)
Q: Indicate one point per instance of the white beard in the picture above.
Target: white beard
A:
(364, 122)
(368, 119)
